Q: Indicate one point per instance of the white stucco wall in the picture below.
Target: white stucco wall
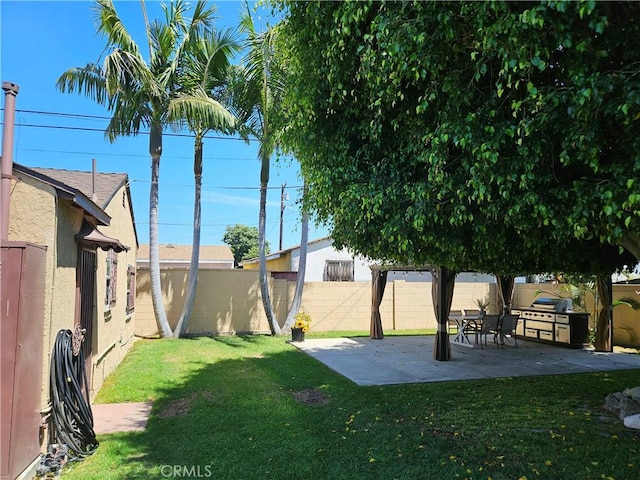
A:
(319, 251)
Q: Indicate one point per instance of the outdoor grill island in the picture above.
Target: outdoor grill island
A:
(552, 320)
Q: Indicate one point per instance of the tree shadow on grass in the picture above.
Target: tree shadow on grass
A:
(219, 422)
(284, 415)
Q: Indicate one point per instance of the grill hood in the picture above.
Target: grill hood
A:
(557, 305)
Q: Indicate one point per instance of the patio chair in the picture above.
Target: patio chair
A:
(488, 326)
(508, 328)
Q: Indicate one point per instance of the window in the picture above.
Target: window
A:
(112, 276)
(338, 271)
(131, 288)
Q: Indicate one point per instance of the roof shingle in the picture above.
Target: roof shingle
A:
(107, 184)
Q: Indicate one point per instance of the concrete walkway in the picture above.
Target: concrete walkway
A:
(120, 417)
(409, 359)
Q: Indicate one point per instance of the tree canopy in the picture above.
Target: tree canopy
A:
(243, 241)
(495, 136)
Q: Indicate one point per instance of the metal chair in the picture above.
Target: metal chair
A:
(508, 328)
(488, 326)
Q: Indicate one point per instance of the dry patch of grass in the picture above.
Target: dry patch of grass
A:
(310, 396)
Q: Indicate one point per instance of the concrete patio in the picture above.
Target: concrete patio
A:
(409, 359)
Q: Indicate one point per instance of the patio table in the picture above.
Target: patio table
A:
(464, 322)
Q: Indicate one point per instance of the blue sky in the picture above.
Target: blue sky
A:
(42, 39)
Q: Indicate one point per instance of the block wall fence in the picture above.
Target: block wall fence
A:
(229, 302)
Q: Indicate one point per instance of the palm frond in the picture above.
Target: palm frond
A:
(132, 111)
(201, 112)
(628, 301)
(109, 24)
(210, 58)
(163, 40)
(124, 70)
(88, 81)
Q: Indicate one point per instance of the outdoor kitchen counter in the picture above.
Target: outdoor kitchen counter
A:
(570, 329)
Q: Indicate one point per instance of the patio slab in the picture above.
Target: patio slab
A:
(409, 359)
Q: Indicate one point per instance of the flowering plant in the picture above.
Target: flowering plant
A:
(302, 320)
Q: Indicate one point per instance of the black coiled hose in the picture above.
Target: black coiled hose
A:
(71, 410)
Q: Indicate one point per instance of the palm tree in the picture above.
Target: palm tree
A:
(256, 93)
(302, 267)
(139, 93)
(209, 62)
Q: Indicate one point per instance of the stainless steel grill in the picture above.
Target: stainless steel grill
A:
(555, 305)
(553, 320)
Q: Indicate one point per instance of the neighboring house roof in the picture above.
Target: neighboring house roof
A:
(279, 253)
(170, 253)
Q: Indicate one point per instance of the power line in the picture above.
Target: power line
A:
(99, 117)
(213, 186)
(62, 114)
(133, 155)
(89, 129)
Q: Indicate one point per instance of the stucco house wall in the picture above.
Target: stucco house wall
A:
(39, 215)
(321, 250)
(276, 262)
(116, 328)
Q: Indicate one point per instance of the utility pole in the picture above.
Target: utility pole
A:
(281, 213)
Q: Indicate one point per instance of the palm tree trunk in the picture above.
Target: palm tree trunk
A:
(262, 222)
(155, 148)
(302, 266)
(192, 280)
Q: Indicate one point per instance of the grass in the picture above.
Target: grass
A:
(254, 407)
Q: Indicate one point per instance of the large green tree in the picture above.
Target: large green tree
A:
(497, 136)
(243, 241)
(139, 91)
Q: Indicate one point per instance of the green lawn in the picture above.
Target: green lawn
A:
(254, 407)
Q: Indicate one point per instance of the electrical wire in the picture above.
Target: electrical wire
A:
(71, 410)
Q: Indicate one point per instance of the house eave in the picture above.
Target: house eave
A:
(78, 199)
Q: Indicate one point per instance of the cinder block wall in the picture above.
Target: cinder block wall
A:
(229, 301)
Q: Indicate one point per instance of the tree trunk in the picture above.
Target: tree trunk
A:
(192, 280)
(631, 242)
(302, 265)
(155, 149)
(262, 226)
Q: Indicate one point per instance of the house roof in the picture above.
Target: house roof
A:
(171, 252)
(279, 253)
(63, 190)
(106, 185)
